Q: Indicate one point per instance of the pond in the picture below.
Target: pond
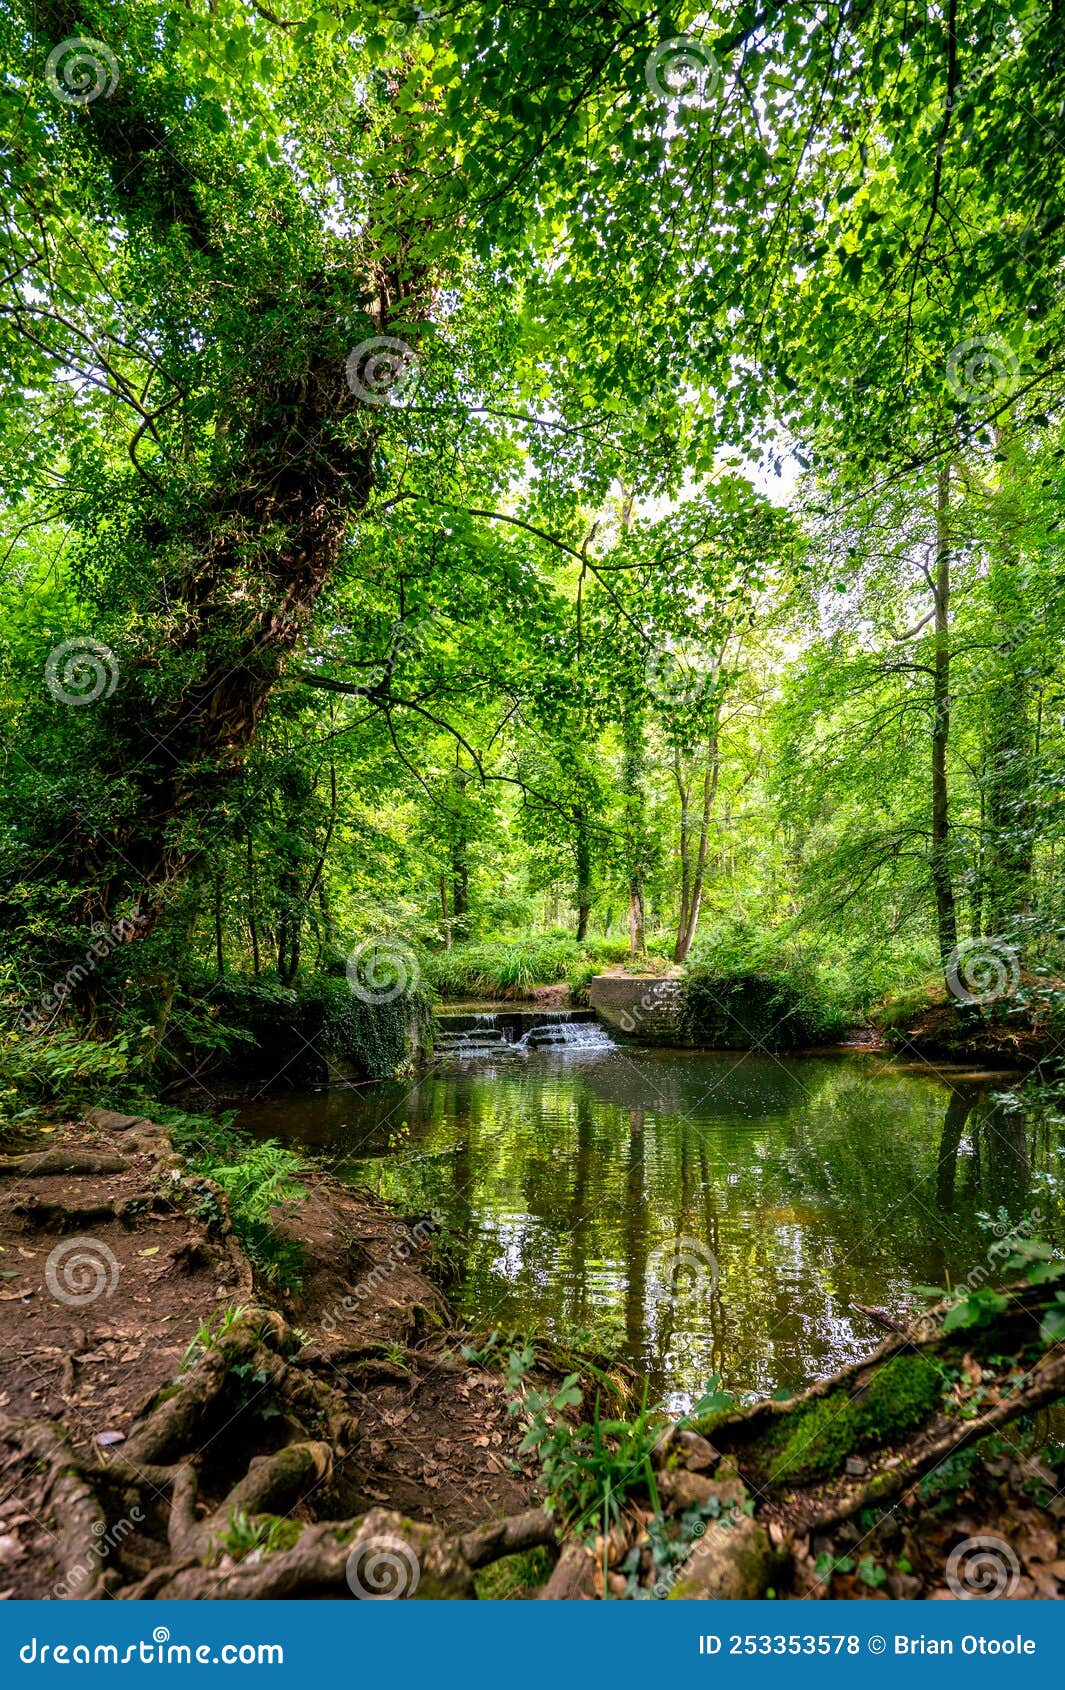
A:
(701, 1213)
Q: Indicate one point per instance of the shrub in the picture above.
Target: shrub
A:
(35, 1067)
(744, 1011)
(296, 1035)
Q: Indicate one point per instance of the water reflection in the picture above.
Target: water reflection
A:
(817, 1183)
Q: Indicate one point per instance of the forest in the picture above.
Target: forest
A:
(532, 671)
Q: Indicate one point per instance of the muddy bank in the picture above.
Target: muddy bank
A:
(121, 1273)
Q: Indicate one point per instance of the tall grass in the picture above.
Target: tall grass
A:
(504, 967)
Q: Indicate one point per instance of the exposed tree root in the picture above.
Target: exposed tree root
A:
(534, 1529)
(41, 1164)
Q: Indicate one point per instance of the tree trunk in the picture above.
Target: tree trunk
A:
(1009, 751)
(693, 879)
(253, 927)
(632, 770)
(942, 880)
(583, 852)
(219, 950)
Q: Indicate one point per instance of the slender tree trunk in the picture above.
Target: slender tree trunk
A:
(583, 852)
(1009, 748)
(460, 868)
(942, 880)
(253, 926)
(686, 932)
(683, 791)
(632, 770)
(219, 951)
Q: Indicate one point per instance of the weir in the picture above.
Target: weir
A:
(514, 1032)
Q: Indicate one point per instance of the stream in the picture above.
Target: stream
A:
(700, 1213)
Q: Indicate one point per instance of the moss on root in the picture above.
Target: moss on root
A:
(815, 1442)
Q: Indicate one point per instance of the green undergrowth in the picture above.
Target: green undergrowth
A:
(261, 1179)
(38, 1067)
(515, 1578)
(298, 1034)
(511, 966)
(743, 1011)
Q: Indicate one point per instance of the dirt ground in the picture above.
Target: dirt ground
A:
(109, 1272)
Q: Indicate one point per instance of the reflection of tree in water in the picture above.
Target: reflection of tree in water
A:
(998, 1172)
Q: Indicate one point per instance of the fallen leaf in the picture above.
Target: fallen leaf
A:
(153, 1251)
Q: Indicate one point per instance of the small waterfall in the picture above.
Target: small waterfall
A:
(506, 1033)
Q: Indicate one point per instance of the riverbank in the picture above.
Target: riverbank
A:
(175, 1429)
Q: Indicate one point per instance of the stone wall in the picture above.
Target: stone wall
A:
(637, 1004)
